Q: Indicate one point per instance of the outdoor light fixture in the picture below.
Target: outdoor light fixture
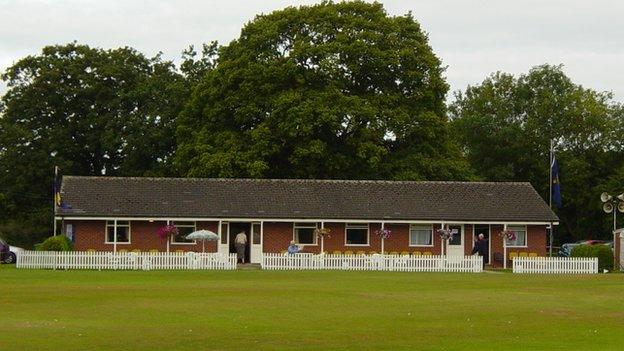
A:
(610, 204)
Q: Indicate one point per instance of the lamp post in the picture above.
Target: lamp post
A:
(612, 204)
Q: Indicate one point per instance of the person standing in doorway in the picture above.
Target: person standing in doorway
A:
(481, 248)
(241, 243)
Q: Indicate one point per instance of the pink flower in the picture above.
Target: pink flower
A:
(383, 233)
(167, 231)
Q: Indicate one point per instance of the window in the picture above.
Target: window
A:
(457, 237)
(256, 237)
(304, 233)
(421, 235)
(184, 229)
(69, 232)
(521, 236)
(356, 234)
(123, 232)
(225, 232)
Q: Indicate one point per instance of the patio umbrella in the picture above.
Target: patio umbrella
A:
(203, 235)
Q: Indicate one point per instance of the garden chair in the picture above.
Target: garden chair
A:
(416, 253)
(91, 250)
(360, 252)
(523, 254)
(153, 251)
(427, 253)
(394, 253)
(136, 251)
(348, 252)
(179, 251)
(122, 251)
(532, 254)
(512, 255)
(372, 252)
(498, 257)
(404, 253)
(337, 252)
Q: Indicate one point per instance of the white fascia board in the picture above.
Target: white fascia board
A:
(250, 219)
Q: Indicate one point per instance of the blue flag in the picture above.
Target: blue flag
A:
(556, 187)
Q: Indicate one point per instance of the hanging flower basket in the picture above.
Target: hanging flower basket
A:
(322, 232)
(167, 231)
(445, 234)
(383, 233)
(508, 234)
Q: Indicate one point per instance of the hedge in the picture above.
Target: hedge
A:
(603, 252)
(56, 243)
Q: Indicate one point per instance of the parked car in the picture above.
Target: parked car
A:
(8, 253)
(566, 249)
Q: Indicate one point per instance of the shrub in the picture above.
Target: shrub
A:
(605, 256)
(56, 243)
(581, 251)
(603, 252)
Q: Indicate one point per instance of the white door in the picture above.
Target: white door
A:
(224, 238)
(455, 245)
(255, 250)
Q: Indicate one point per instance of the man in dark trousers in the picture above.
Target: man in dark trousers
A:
(481, 248)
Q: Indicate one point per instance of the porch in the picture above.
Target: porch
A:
(404, 238)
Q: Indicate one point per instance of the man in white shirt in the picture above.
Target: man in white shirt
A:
(240, 242)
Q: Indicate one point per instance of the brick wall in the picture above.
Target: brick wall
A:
(91, 235)
(536, 242)
(277, 237)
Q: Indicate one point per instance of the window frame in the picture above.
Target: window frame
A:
(112, 224)
(409, 236)
(305, 225)
(357, 226)
(526, 236)
(194, 226)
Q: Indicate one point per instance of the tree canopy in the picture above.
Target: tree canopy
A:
(326, 91)
(505, 125)
(333, 90)
(91, 112)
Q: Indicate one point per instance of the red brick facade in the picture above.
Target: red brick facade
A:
(536, 243)
(277, 236)
(91, 235)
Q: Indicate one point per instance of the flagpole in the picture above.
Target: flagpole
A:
(54, 199)
(550, 183)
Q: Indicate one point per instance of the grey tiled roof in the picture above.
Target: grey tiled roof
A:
(302, 199)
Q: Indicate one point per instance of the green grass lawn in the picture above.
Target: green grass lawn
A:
(261, 310)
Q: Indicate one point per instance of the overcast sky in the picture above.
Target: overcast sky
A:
(473, 38)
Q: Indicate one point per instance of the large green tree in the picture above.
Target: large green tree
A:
(91, 112)
(506, 123)
(326, 91)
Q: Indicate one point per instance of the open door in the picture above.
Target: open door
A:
(255, 250)
(224, 241)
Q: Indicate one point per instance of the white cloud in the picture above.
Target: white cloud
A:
(474, 38)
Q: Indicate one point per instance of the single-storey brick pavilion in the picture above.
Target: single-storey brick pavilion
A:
(118, 213)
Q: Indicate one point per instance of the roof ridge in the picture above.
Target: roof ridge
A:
(302, 180)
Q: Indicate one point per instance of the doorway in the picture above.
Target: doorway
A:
(235, 228)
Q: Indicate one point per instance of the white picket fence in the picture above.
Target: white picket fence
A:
(124, 260)
(555, 265)
(398, 263)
